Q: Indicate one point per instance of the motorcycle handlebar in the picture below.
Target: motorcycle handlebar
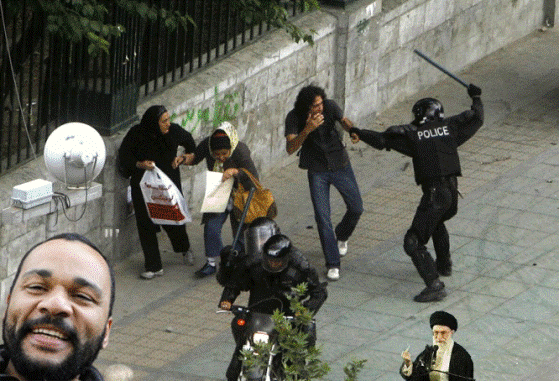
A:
(241, 310)
(235, 309)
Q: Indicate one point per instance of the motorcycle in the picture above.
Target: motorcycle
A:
(258, 328)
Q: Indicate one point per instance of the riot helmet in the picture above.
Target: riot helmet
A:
(256, 235)
(276, 253)
(427, 110)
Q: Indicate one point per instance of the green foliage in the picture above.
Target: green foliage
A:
(79, 20)
(273, 13)
(299, 360)
(352, 368)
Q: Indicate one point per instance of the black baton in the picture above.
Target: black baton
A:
(243, 216)
(463, 83)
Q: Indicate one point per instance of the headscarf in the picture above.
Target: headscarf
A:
(150, 119)
(231, 132)
(219, 140)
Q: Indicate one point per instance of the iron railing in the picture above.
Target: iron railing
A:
(46, 81)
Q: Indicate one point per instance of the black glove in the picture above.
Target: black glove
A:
(474, 91)
(225, 253)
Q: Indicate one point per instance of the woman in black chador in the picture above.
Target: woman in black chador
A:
(154, 142)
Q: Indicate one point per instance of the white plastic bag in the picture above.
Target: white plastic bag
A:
(164, 202)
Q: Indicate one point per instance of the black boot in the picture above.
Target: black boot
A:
(432, 293)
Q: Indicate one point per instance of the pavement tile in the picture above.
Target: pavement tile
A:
(479, 344)
(328, 333)
(488, 249)
(530, 307)
(509, 365)
(331, 351)
(342, 297)
(377, 360)
(549, 243)
(528, 257)
(474, 264)
(532, 275)
(481, 304)
(514, 235)
(367, 320)
(524, 346)
(459, 279)
(496, 287)
(548, 260)
(402, 308)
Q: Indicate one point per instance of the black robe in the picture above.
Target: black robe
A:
(461, 367)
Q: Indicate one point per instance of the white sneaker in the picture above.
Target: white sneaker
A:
(151, 274)
(333, 273)
(342, 247)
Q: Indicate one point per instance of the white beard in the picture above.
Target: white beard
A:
(443, 347)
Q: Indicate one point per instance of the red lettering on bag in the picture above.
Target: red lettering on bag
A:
(159, 187)
(165, 212)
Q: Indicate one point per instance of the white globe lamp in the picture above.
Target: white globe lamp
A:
(75, 154)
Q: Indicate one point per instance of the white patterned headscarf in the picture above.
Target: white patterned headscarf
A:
(231, 132)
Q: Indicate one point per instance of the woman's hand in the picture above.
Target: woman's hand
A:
(185, 159)
(146, 164)
(229, 173)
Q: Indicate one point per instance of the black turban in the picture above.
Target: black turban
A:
(443, 318)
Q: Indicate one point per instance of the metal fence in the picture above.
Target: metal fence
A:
(45, 81)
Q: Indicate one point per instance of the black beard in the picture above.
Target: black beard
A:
(75, 364)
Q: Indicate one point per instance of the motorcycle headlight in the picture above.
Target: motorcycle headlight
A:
(260, 337)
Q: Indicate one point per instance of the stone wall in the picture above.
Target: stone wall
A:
(382, 68)
(362, 56)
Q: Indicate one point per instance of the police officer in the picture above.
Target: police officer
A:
(432, 141)
(269, 280)
(255, 236)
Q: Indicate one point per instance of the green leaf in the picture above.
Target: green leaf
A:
(142, 9)
(88, 10)
(96, 26)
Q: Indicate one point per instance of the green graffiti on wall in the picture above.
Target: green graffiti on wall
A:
(225, 109)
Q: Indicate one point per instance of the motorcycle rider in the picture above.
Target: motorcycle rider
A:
(432, 141)
(268, 280)
(255, 236)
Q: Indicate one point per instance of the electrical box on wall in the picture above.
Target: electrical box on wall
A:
(32, 194)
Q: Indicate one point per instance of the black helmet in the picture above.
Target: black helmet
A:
(276, 253)
(427, 109)
(257, 233)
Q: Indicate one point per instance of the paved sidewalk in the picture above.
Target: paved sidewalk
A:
(504, 289)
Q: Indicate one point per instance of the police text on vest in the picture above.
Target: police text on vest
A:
(433, 132)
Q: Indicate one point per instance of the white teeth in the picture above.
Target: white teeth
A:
(49, 332)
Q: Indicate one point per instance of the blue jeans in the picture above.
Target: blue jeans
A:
(213, 243)
(344, 181)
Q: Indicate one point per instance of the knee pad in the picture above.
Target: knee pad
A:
(411, 243)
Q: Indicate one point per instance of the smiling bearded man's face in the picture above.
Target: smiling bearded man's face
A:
(57, 317)
(80, 358)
